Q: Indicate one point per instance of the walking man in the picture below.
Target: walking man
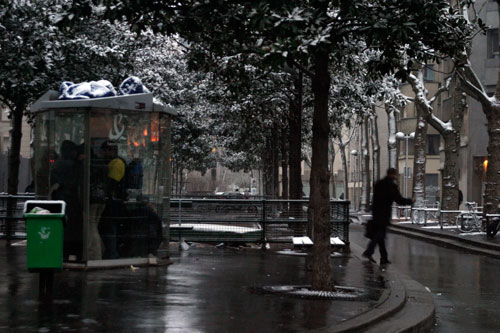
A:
(384, 194)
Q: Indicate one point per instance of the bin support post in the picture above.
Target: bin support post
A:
(45, 284)
(11, 209)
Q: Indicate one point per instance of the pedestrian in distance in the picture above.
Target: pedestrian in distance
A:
(384, 194)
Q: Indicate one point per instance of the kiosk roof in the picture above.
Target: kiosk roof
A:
(135, 102)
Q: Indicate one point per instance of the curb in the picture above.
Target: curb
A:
(405, 307)
(448, 241)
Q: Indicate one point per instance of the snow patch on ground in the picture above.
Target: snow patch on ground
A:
(341, 292)
(217, 228)
(290, 252)
(472, 233)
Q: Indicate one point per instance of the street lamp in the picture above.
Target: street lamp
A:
(406, 174)
(354, 154)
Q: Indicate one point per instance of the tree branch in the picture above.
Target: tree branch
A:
(474, 89)
(302, 68)
(441, 90)
(425, 105)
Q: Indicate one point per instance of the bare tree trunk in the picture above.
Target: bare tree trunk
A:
(375, 147)
(319, 208)
(449, 131)
(181, 181)
(16, 135)
(365, 167)
(492, 184)
(392, 144)
(295, 151)
(332, 168)
(491, 108)
(268, 169)
(451, 170)
(295, 140)
(473, 87)
(276, 161)
(419, 159)
(284, 164)
(346, 171)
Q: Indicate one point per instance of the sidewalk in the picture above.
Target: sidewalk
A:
(450, 236)
(208, 289)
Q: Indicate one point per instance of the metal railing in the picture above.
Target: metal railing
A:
(12, 225)
(215, 220)
(423, 215)
(231, 220)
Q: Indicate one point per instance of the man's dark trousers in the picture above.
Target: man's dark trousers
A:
(377, 239)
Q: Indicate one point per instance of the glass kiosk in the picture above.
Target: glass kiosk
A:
(109, 160)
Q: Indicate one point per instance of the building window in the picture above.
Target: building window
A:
(432, 144)
(4, 145)
(429, 72)
(4, 115)
(492, 40)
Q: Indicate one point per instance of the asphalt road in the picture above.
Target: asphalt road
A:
(465, 287)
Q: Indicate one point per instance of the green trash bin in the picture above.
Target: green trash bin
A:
(44, 235)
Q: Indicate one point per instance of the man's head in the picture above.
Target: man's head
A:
(392, 174)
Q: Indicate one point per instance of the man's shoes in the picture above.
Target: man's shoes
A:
(370, 258)
(385, 262)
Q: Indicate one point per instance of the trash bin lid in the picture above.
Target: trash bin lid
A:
(54, 206)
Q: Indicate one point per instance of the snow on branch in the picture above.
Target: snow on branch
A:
(426, 104)
(472, 85)
(419, 89)
(441, 126)
(441, 89)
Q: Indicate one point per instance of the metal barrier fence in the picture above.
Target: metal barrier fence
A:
(209, 220)
(12, 225)
(214, 220)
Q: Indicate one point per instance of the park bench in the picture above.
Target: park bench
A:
(304, 242)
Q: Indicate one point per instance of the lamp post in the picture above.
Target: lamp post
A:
(354, 155)
(406, 174)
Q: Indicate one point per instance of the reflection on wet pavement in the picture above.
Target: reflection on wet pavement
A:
(465, 287)
(205, 290)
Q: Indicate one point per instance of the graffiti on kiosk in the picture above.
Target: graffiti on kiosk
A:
(44, 233)
(118, 128)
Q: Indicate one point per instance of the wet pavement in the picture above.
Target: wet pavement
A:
(205, 290)
(465, 287)
(450, 231)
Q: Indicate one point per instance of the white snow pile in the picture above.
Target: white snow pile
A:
(133, 85)
(341, 293)
(101, 88)
(220, 228)
(290, 252)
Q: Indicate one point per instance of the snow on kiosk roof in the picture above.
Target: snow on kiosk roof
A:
(134, 102)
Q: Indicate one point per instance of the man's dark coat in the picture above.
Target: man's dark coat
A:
(384, 194)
